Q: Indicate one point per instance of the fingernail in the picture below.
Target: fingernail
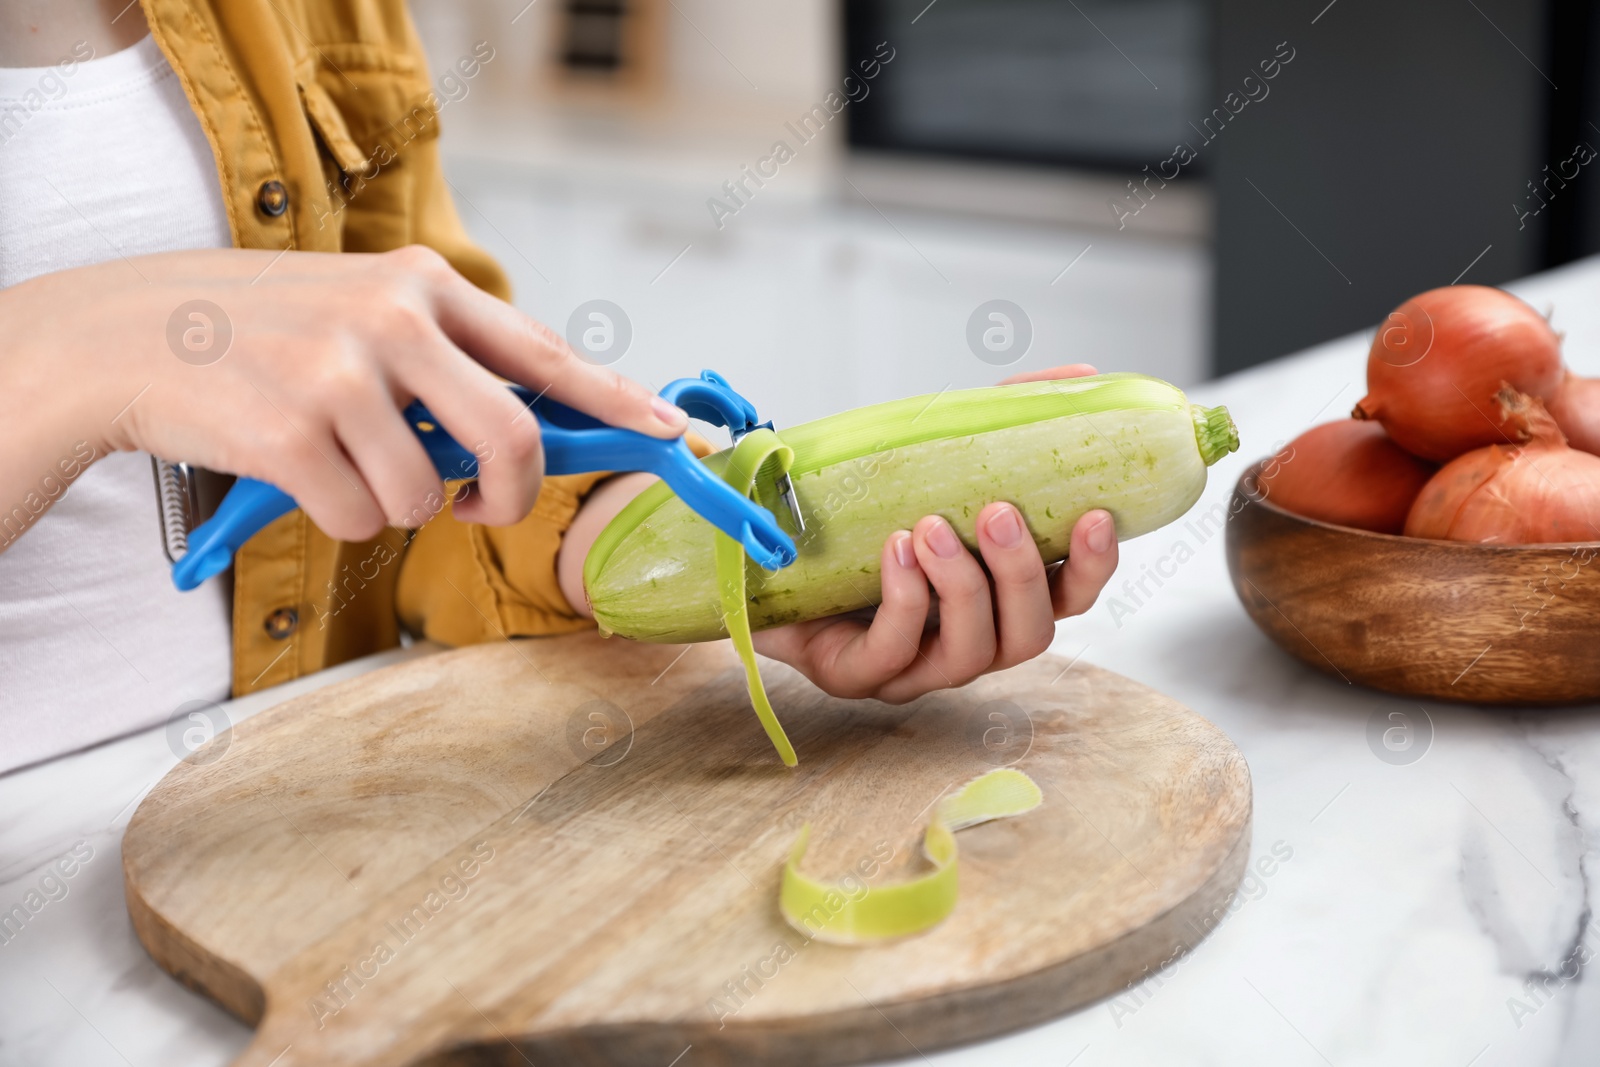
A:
(1099, 535)
(668, 412)
(1004, 529)
(943, 540)
(903, 552)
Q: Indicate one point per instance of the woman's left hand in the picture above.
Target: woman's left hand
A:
(981, 622)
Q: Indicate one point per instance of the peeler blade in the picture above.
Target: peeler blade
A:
(786, 490)
(178, 505)
(781, 483)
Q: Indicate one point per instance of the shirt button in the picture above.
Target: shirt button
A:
(272, 198)
(282, 623)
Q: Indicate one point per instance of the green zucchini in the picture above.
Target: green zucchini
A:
(1131, 444)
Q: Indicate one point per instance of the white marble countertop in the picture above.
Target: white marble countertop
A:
(1433, 912)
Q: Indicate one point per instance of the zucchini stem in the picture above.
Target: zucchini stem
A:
(1214, 432)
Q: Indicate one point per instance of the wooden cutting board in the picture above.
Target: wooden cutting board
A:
(474, 858)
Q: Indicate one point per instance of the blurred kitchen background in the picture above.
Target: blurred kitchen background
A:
(1340, 157)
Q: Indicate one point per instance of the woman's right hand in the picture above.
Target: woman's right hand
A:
(325, 351)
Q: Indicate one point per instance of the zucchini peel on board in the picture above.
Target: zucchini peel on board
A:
(1128, 443)
(848, 913)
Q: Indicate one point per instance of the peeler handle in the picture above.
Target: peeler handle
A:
(574, 443)
(710, 398)
(249, 506)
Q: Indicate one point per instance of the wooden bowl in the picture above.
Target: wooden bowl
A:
(1498, 624)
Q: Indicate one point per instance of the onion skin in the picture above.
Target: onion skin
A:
(1576, 409)
(1439, 359)
(1534, 493)
(1348, 473)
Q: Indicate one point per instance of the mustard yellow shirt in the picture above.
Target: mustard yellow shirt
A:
(325, 132)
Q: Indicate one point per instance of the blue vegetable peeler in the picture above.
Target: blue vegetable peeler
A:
(574, 443)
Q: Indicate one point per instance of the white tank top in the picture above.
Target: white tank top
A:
(101, 158)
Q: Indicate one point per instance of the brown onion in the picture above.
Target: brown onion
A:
(1438, 360)
(1576, 409)
(1539, 491)
(1348, 473)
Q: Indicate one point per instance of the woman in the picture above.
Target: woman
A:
(225, 239)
